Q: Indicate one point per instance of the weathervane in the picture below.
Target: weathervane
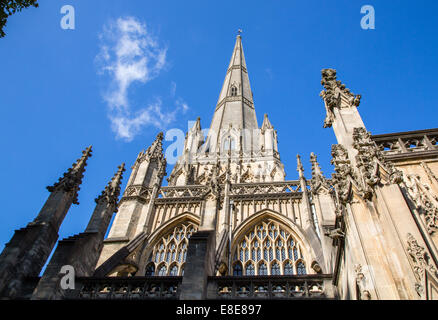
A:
(239, 32)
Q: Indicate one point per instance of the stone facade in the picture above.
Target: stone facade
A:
(229, 226)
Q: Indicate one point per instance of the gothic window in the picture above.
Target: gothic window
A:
(275, 269)
(171, 250)
(288, 268)
(162, 271)
(271, 248)
(229, 143)
(249, 270)
(173, 271)
(263, 271)
(301, 268)
(237, 270)
(233, 91)
(150, 269)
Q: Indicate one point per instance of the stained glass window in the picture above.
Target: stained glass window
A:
(268, 243)
(172, 249)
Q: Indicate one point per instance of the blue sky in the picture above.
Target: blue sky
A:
(55, 86)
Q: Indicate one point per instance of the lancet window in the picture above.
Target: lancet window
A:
(169, 253)
(268, 249)
(233, 91)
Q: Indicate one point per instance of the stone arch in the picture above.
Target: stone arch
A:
(269, 253)
(178, 253)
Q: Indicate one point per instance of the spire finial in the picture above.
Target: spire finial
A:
(316, 169)
(71, 179)
(112, 190)
(239, 32)
(300, 168)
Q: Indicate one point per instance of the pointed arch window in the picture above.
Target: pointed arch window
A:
(229, 143)
(271, 249)
(233, 91)
(275, 269)
(150, 270)
(173, 271)
(171, 250)
(162, 271)
(263, 270)
(249, 270)
(288, 268)
(301, 268)
(237, 270)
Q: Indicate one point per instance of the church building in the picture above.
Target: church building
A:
(229, 226)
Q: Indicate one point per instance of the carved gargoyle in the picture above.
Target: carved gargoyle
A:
(335, 234)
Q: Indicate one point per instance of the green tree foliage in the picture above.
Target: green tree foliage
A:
(9, 7)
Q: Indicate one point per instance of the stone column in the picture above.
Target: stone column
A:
(199, 265)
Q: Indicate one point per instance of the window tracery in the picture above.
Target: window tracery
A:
(169, 254)
(268, 249)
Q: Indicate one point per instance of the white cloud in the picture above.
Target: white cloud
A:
(128, 54)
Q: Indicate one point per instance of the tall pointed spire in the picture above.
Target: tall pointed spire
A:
(71, 180)
(112, 191)
(235, 106)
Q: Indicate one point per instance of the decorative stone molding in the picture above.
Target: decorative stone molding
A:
(343, 170)
(361, 283)
(368, 161)
(155, 150)
(318, 183)
(336, 92)
(111, 193)
(421, 262)
(425, 202)
(430, 175)
(72, 179)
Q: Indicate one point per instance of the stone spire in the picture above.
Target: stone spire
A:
(235, 106)
(111, 192)
(81, 251)
(266, 123)
(26, 253)
(155, 150)
(71, 180)
(318, 178)
(316, 169)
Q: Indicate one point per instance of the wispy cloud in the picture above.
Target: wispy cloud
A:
(129, 54)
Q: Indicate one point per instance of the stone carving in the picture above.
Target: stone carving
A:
(111, 192)
(334, 91)
(71, 180)
(318, 180)
(430, 175)
(155, 150)
(361, 283)
(343, 170)
(368, 160)
(421, 262)
(336, 234)
(425, 202)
